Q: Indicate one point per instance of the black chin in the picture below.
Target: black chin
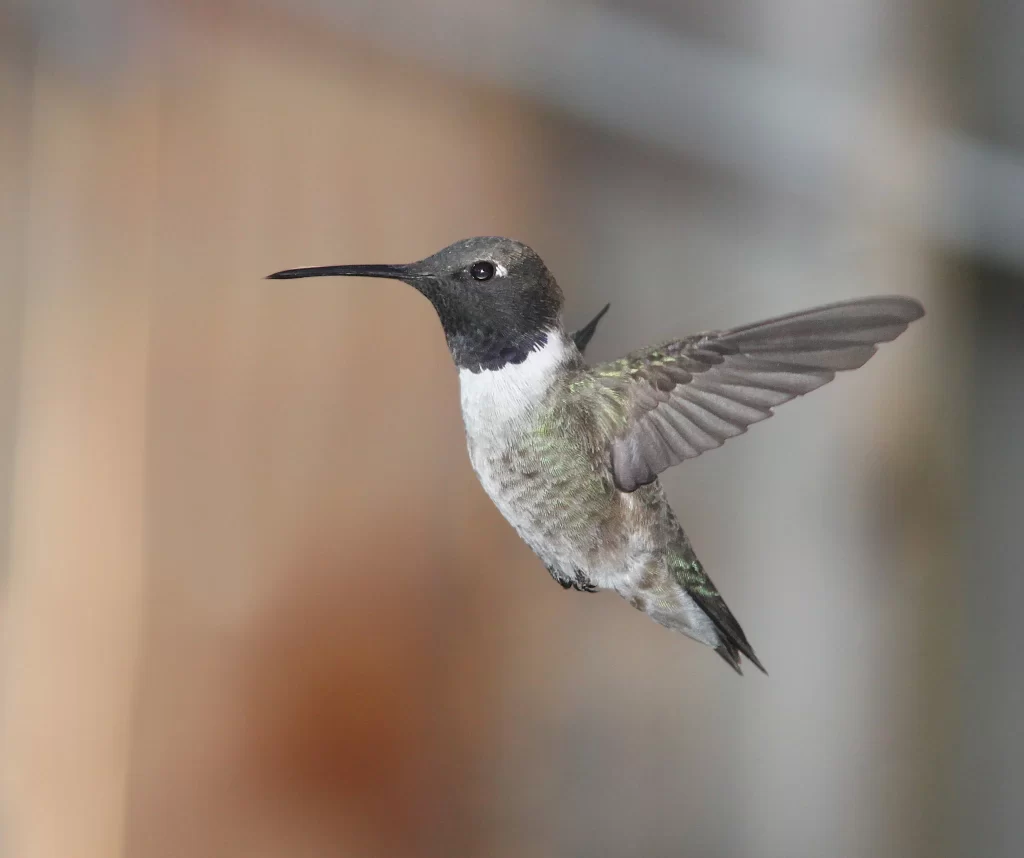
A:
(495, 351)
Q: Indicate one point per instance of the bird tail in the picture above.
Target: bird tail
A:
(732, 642)
(676, 592)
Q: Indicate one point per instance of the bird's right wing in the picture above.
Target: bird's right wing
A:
(688, 396)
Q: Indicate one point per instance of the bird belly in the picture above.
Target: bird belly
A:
(532, 449)
(559, 505)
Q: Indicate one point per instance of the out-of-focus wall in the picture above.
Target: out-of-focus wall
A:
(253, 590)
(14, 102)
(325, 572)
(83, 201)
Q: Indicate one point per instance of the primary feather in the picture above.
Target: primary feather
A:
(691, 395)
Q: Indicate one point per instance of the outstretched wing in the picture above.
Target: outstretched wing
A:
(688, 396)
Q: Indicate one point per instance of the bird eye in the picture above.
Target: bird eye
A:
(482, 270)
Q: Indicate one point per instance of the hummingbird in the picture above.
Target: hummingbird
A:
(570, 452)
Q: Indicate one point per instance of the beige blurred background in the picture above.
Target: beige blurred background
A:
(254, 601)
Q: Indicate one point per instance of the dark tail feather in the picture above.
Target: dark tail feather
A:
(734, 642)
(731, 656)
(690, 575)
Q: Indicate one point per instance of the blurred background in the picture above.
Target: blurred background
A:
(255, 602)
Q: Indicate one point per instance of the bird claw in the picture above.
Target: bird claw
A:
(580, 582)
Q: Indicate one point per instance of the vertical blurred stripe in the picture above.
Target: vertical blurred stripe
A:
(76, 577)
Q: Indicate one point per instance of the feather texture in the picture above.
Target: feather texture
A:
(691, 395)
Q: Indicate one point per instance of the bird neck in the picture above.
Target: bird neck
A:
(512, 390)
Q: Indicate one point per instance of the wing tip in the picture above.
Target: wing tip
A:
(583, 336)
(910, 309)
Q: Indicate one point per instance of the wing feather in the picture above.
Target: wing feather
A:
(689, 396)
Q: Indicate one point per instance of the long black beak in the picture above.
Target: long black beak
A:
(391, 272)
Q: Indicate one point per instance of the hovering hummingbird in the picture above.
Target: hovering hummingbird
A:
(570, 453)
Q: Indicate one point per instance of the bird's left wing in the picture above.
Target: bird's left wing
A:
(688, 396)
(582, 337)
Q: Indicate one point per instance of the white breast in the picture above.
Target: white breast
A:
(501, 409)
(498, 403)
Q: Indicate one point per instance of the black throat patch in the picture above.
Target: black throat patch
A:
(487, 328)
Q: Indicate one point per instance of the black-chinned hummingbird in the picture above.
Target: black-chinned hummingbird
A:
(570, 453)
